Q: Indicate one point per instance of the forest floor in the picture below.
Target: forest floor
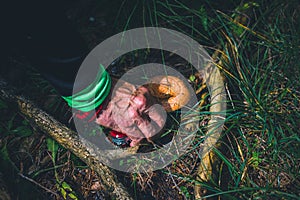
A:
(259, 157)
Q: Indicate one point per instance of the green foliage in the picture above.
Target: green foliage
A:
(246, 6)
(13, 127)
(52, 146)
(63, 187)
(255, 161)
(66, 191)
(2, 104)
(5, 161)
(185, 192)
(203, 17)
(192, 78)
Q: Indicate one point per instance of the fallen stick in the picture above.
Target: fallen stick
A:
(215, 83)
(67, 138)
(209, 158)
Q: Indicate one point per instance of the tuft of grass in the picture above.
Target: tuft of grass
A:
(260, 61)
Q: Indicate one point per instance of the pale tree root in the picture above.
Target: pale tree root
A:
(207, 173)
(208, 158)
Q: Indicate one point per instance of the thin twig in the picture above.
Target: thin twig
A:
(36, 183)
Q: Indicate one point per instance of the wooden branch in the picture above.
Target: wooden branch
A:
(67, 138)
(215, 83)
(209, 159)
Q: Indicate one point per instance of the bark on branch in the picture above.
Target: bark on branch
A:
(67, 138)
